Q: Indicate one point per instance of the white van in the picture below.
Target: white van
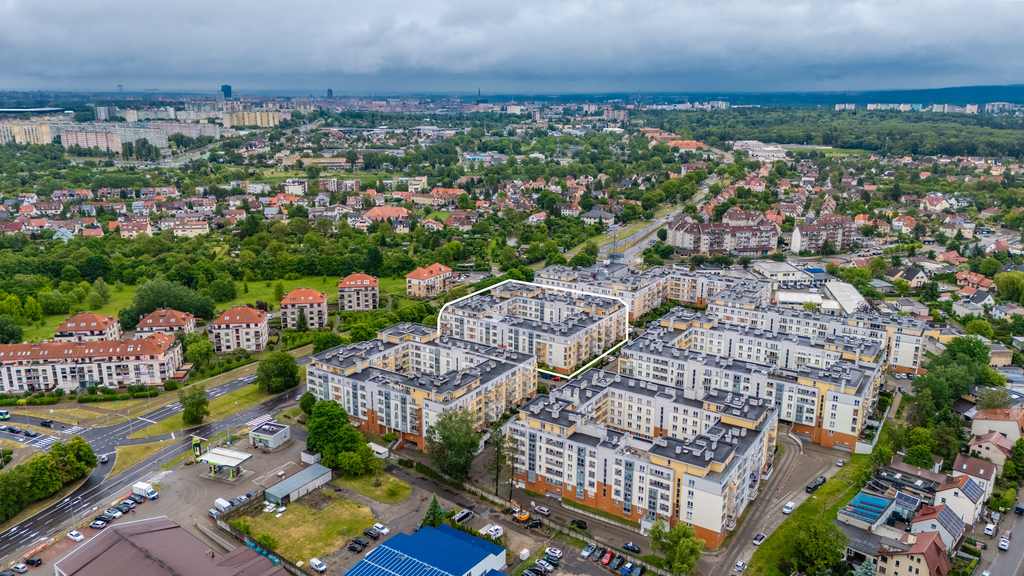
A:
(990, 530)
(317, 565)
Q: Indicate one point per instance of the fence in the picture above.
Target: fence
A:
(250, 504)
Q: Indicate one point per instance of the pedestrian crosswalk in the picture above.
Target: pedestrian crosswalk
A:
(259, 421)
(74, 430)
(44, 442)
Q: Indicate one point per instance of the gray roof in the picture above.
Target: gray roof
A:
(293, 483)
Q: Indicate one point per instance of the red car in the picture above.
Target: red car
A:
(607, 557)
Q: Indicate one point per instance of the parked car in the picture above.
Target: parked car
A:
(381, 528)
(98, 524)
(114, 512)
(598, 554)
(607, 557)
(553, 552)
(840, 463)
(788, 508)
(213, 513)
(371, 533)
(554, 561)
(30, 433)
(811, 488)
(136, 498)
(1004, 544)
(543, 511)
(3, 428)
(535, 523)
(20, 568)
(740, 566)
(627, 568)
(631, 547)
(821, 481)
(1007, 534)
(355, 547)
(759, 539)
(581, 524)
(317, 565)
(129, 503)
(588, 551)
(616, 562)
(547, 566)
(1019, 510)
(361, 541)
(105, 517)
(76, 536)
(34, 561)
(639, 570)
(14, 430)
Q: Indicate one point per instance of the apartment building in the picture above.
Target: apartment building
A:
(73, 365)
(130, 230)
(312, 303)
(838, 231)
(260, 118)
(165, 320)
(646, 451)
(358, 292)
(428, 282)
(402, 381)
(715, 238)
(191, 228)
(563, 329)
(25, 132)
(88, 327)
(240, 327)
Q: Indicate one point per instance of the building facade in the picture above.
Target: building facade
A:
(358, 292)
(312, 303)
(239, 328)
(88, 327)
(428, 282)
(165, 320)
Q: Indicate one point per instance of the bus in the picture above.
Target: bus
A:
(5, 414)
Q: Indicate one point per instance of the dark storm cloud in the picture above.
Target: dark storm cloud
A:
(525, 46)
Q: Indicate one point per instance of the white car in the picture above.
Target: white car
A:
(496, 531)
(381, 528)
(76, 536)
(543, 564)
(789, 507)
(317, 565)
(554, 552)
(1004, 544)
(114, 512)
(740, 566)
(20, 568)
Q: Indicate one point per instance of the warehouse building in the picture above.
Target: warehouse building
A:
(294, 487)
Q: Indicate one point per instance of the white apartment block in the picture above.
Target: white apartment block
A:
(240, 327)
(166, 320)
(563, 329)
(73, 365)
(405, 379)
(88, 327)
(358, 292)
(312, 303)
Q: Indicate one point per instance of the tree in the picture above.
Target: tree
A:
(326, 340)
(505, 449)
(10, 332)
(662, 234)
(811, 306)
(901, 286)
(301, 324)
(307, 402)
(819, 546)
(973, 348)
(981, 327)
(199, 352)
(194, 404)
(680, 545)
(332, 435)
(277, 372)
(866, 568)
(464, 202)
(452, 442)
(435, 514)
(101, 288)
(993, 398)
(157, 294)
(278, 291)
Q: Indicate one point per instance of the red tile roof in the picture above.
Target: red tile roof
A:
(428, 272)
(385, 212)
(164, 317)
(241, 315)
(51, 351)
(304, 296)
(353, 280)
(86, 321)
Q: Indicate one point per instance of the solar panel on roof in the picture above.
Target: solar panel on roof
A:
(973, 490)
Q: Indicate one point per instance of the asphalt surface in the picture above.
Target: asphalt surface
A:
(98, 491)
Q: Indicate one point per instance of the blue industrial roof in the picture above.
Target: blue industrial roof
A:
(867, 507)
(444, 551)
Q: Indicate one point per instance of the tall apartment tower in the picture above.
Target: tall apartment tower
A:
(330, 93)
(226, 90)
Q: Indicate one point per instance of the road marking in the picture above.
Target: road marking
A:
(259, 421)
(145, 420)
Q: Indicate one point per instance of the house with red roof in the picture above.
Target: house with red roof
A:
(429, 281)
(88, 327)
(305, 301)
(358, 292)
(925, 556)
(975, 280)
(240, 327)
(167, 321)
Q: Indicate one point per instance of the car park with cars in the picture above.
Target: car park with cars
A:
(75, 536)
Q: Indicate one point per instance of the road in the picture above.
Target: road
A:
(98, 491)
(637, 240)
(1008, 562)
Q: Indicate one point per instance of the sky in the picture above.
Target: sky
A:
(520, 47)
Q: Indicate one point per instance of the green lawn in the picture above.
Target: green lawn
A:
(838, 151)
(118, 300)
(826, 502)
(220, 408)
(259, 290)
(304, 533)
(364, 485)
(391, 286)
(128, 456)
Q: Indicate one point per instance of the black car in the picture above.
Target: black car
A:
(820, 481)
(33, 561)
(46, 423)
(616, 562)
(250, 494)
(30, 433)
(596, 555)
(105, 517)
(234, 502)
(136, 498)
(535, 523)
(531, 572)
(361, 541)
(124, 508)
(14, 430)
(355, 547)
(371, 533)
(581, 524)
(631, 547)
(811, 487)
(639, 570)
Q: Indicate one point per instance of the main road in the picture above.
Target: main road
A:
(99, 490)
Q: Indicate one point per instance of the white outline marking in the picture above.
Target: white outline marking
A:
(564, 377)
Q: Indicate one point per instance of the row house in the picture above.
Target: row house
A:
(719, 238)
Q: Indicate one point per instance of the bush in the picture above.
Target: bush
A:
(170, 386)
(431, 473)
(87, 398)
(392, 491)
(390, 437)
(406, 462)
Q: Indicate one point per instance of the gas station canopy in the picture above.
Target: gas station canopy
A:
(224, 457)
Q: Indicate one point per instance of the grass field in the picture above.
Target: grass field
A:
(220, 408)
(364, 485)
(826, 502)
(391, 286)
(259, 290)
(305, 533)
(128, 456)
(837, 151)
(68, 415)
(118, 300)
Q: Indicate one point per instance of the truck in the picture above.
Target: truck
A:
(145, 489)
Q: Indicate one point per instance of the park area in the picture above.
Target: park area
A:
(314, 526)
(391, 490)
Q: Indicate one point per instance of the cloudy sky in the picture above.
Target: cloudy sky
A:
(525, 46)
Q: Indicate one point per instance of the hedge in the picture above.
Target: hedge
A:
(88, 398)
(47, 401)
(430, 472)
(406, 462)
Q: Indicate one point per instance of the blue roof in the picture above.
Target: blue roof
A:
(972, 490)
(444, 551)
(867, 507)
(813, 270)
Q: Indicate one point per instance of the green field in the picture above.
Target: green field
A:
(364, 485)
(118, 300)
(263, 290)
(832, 152)
(391, 286)
(220, 408)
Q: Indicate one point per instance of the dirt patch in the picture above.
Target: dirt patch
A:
(317, 500)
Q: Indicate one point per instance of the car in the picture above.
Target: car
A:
(840, 463)
(543, 511)
(123, 508)
(30, 433)
(759, 539)
(34, 561)
(242, 498)
(631, 547)
(361, 541)
(496, 531)
(740, 566)
(98, 524)
(103, 459)
(46, 423)
(811, 488)
(20, 568)
(213, 513)
(535, 523)
(596, 555)
(588, 551)
(639, 570)
(105, 517)
(581, 524)
(540, 569)
(114, 512)
(902, 390)
(1007, 535)
(14, 430)
(317, 565)
(76, 536)
(136, 498)
(986, 573)
(250, 494)
(788, 508)
(627, 568)
(617, 562)
(1004, 544)
(531, 572)
(553, 551)
(547, 566)
(3, 428)
(607, 557)
(355, 547)
(553, 560)
(381, 528)
(234, 502)
(371, 533)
